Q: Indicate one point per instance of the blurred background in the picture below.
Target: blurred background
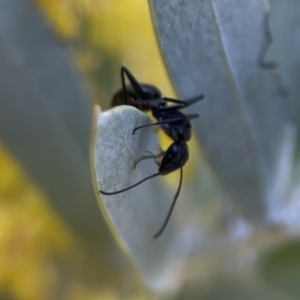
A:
(58, 58)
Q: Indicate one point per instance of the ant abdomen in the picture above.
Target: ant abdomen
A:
(175, 158)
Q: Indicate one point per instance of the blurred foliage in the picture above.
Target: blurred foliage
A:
(281, 267)
(39, 256)
(36, 248)
(105, 35)
(31, 235)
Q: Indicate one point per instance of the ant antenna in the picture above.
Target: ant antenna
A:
(171, 120)
(130, 187)
(135, 84)
(167, 121)
(124, 86)
(160, 231)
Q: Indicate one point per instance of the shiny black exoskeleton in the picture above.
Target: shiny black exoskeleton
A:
(135, 92)
(130, 97)
(174, 123)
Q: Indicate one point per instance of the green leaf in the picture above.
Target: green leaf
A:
(280, 266)
(230, 287)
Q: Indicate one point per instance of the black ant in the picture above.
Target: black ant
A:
(173, 122)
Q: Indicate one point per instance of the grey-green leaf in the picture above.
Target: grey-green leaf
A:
(136, 215)
(285, 26)
(45, 115)
(214, 47)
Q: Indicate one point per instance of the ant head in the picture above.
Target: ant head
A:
(150, 92)
(118, 98)
(132, 98)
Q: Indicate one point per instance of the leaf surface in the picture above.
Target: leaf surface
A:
(137, 214)
(45, 114)
(215, 48)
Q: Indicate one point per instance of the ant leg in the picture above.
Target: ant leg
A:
(181, 103)
(167, 100)
(194, 100)
(160, 231)
(184, 102)
(192, 116)
(160, 154)
(160, 150)
(143, 158)
(171, 120)
(135, 84)
(130, 187)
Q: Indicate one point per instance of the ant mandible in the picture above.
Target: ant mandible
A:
(174, 123)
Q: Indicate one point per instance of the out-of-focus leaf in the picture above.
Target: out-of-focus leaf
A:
(137, 214)
(45, 114)
(285, 28)
(214, 47)
(228, 287)
(280, 267)
(285, 49)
